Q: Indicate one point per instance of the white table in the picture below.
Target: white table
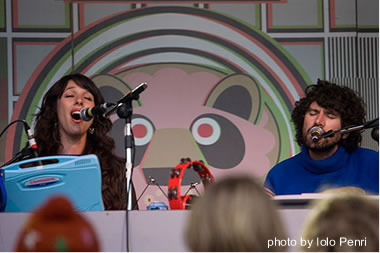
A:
(148, 230)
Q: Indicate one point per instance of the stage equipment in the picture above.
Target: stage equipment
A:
(152, 181)
(176, 201)
(28, 183)
(370, 124)
(124, 110)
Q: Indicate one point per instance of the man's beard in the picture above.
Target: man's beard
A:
(323, 145)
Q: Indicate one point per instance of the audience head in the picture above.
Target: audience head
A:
(234, 214)
(344, 217)
(56, 226)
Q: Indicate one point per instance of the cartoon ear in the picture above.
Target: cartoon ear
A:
(112, 89)
(238, 94)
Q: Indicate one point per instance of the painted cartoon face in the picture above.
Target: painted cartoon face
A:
(73, 99)
(202, 115)
(326, 119)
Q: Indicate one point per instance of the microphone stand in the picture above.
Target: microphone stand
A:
(125, 111)
(370, 124)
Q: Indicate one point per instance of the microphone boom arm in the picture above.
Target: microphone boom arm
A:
(132, 95)
(348, 129)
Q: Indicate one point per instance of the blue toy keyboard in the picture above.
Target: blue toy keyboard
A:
(30, 182)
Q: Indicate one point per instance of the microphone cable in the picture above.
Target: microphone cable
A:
(13, 122)
(21, 153)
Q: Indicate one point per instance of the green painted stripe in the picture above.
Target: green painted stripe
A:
(67, 15)
(4, 58)
(226, 70)
(298, 66)
(323, 73)
(320, 13)
(258, 16)
(2, 14)
(369, 26)
(43, 26)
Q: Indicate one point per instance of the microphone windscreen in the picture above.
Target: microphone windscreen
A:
(315, 133)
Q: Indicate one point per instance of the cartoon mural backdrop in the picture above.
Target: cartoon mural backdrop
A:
(219, 90)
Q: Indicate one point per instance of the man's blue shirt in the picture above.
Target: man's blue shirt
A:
(300, 174)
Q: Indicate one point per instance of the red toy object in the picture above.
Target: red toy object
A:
(57, 226)
(176, 201)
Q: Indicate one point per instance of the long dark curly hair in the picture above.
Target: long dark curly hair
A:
(341, 99)
(48, 139)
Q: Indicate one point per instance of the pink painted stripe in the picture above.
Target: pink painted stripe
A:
(14, 69)
(332, 14)
(4, 99)
(298, 88)
(81, 16)
(104, 55)
(179, 1)
(15, 13)
(270, 16)
(302, 43)
(286, 90)
(118, 70)
(293, 80)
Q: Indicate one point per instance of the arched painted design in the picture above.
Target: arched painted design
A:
(186, 41)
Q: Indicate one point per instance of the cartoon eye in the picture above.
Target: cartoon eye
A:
(206, 131)
(219, 140)
(142, 131)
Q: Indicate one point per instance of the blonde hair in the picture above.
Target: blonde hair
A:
(234, 214)
(346, 216)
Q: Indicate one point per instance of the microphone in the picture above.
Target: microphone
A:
(375, 134)
(315, 133)
(371, 124)
(87, 114)
(134, 94)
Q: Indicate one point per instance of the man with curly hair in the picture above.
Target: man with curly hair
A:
(335, 162)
